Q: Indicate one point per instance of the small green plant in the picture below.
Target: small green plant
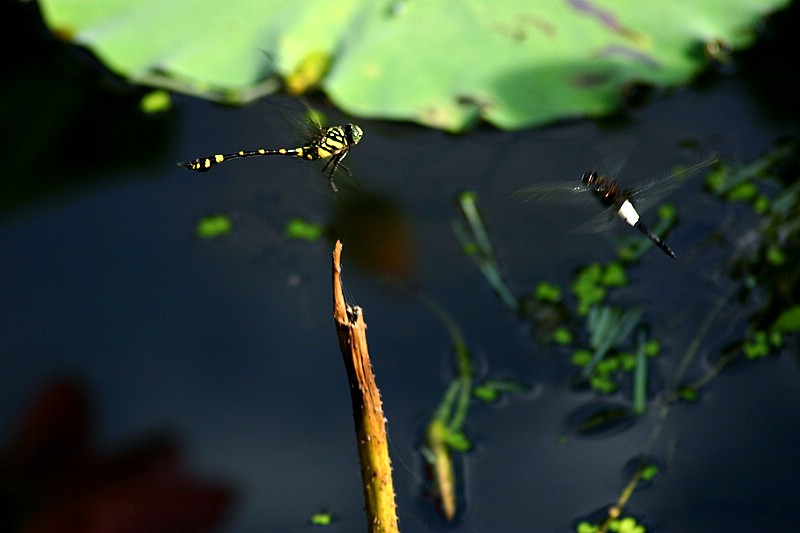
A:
(213, 226)
(156, 101)
(322, 518)
(627, 524)
(593, 281)
(490, 390)
(445, 431)
(300, 229)
(769, 186)
(475, 243)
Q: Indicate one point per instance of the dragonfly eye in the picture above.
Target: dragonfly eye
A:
(354, 133)
(589, 178)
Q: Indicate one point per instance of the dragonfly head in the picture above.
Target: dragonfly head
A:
(353, 133)
(589, 179)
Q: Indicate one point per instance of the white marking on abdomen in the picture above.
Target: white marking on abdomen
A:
(628, 213)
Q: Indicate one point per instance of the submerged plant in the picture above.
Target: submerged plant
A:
(445, 431)
(444, 434)
(475, 242)
(770, 186)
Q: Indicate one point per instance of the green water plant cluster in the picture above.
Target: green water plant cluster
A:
(609, 342)
(763, 266)
(626, 524)
(559, 320)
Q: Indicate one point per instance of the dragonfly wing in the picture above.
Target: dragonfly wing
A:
(614, 165)
(606, 220)
(654, 191)
(554, 193)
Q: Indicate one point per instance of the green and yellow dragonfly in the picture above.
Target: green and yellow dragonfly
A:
(332, 143)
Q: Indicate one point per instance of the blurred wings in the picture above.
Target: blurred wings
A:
(643, 197)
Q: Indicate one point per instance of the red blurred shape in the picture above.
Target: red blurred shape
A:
(54, 481)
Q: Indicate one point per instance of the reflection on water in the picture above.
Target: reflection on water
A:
(55, 476)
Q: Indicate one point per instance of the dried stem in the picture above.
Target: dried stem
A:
(373, 452)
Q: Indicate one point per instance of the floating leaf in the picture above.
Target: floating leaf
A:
(547, 292)
(213, 226)
(155, 102)
(652, 348)
(775, 256)
(490, 390)
(300, 229)
(689, 394)
(757, 346)
(562, 336)
(649, 472)
(321, 519)
(445, 64)
(615, 275)
(788, 320)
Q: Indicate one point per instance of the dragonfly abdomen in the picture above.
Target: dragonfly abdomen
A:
(202, 164)
(628, 213)
(656, 239)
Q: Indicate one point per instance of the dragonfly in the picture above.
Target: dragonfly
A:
(332, 144)
(625, 203)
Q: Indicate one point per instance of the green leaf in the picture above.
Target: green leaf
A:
(470, 248)
(761, 204)
(581, 357)
(743, 192)
(649, 472)
(689, 394)
(321, 519)
(155, 102)
(615, 275)
(667, 212)
(775, 256)
(486, 393)
(716, 180)
(562, 336)
(547, 292)
(457, 441)
(652, 348)
(757, 346)
(603, 384)
(213, 226)
(627, 525)
(297, 228)
(445, 64)
(524, 65)
(586, 287)
(490, 390)
(627, 361)
(788, 321)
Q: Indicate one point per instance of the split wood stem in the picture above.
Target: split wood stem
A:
(371, 438)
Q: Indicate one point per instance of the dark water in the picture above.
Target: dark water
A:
(229, 345)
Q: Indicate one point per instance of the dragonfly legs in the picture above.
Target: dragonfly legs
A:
(333, 164)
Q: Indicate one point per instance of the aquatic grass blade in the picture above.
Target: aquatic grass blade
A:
(640, 376)
(478, 244)
(608, 328)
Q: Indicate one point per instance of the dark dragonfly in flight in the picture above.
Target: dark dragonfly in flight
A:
(626, 203)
